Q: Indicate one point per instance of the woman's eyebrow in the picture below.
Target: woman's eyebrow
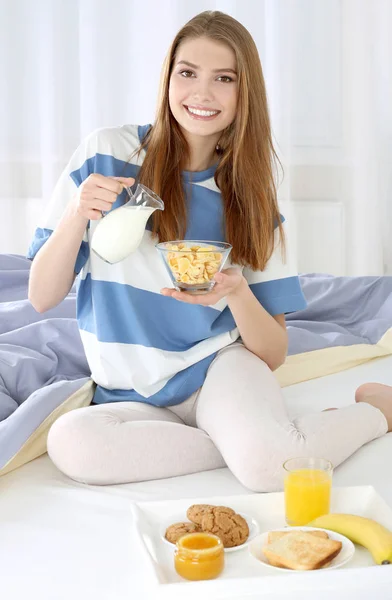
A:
(189, 64)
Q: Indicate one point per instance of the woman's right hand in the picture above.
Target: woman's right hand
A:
(98, 193)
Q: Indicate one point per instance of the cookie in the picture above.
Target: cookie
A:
(232, 529)
(177, 530)
(196, 511)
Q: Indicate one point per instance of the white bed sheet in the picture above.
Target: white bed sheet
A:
(61, 540)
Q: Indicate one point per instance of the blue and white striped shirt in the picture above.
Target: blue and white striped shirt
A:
(140, 345)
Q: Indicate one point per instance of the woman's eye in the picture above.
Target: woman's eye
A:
(225, 79)
(186, 73)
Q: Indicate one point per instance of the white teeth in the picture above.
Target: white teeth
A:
(202, 113)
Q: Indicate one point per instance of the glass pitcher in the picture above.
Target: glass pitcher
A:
(121, 230)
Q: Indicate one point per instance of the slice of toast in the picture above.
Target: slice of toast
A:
(301, 551)
(273, 536)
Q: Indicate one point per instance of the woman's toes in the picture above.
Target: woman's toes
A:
(372, 389)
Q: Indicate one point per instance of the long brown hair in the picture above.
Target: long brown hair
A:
(246, 171)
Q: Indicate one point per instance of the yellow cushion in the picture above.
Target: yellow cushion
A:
(318, 363)
(35, 445)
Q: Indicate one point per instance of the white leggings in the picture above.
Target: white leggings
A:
(238, 418)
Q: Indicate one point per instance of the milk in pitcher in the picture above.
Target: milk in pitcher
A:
(120, 232)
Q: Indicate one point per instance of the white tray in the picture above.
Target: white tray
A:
(243, 576)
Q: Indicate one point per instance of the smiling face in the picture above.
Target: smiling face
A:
(203, 87)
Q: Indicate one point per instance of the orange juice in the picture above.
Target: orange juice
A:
(307, 495)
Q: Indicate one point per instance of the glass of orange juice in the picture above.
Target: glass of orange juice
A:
(307, 489)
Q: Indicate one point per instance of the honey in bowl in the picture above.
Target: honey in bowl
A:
(199, 556)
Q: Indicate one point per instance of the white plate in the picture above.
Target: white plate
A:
(179, 518)
(346, 553)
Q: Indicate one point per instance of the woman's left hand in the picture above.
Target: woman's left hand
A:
(228, 282)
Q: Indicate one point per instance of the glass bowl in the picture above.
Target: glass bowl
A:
(192, 264)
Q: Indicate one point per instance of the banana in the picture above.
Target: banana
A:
(360, 530)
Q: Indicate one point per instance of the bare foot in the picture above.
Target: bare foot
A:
(378, 395)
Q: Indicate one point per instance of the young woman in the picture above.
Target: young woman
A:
(184, 382)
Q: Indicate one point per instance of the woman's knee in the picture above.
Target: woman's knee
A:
(72, 443)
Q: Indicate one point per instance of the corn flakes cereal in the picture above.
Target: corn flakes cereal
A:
(194, 264)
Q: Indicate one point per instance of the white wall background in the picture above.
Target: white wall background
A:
(70, 66)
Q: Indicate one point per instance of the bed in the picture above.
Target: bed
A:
(61, 539)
